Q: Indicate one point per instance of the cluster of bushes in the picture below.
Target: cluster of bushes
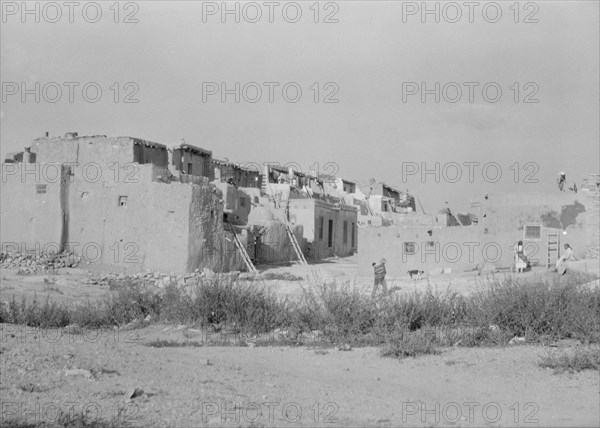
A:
(406, 324)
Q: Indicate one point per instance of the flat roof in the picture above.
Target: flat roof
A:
(193, 149)
(235, 165)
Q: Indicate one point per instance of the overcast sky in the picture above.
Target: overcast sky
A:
(369, 55)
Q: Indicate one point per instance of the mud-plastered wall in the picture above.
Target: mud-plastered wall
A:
(210, 246)
(31, 213)
(131, 226)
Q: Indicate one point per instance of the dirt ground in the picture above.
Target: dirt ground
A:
(95, 373)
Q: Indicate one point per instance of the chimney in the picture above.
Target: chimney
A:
(46, 134)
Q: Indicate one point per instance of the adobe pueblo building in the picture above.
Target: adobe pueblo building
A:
(136, 205)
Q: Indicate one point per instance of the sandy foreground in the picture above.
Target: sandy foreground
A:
(94, 374)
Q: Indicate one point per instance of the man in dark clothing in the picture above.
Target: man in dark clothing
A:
(380, 272)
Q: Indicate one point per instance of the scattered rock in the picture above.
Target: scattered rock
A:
(31, 263)
(134, 392)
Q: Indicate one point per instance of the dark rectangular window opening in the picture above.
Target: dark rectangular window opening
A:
(122, 201)
(533, 232)
(189, 168)
(353, 235)
(321, 225)
(330, 234)
(345, 232)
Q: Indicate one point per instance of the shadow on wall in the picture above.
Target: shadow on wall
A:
(567, 217)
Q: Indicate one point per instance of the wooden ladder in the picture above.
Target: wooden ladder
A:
(369, 209)
(242, 249)
(295, 244)
(552, 246)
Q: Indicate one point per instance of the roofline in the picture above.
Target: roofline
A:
(192, 148)
(233, 164)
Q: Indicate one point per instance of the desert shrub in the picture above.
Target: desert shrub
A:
(572, 360)
(49, 314)
(562, 308)
(500, 309)
(409, 344)
(247, 307)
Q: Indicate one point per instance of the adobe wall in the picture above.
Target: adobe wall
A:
(200, 164)
(501, 224)
(509, 212)
(275, 245)
(210, 246)
(236, 203)
(457, 248)
(149, 231)
(131, 225)
(98, 150)
(306, 212)
(29, 219)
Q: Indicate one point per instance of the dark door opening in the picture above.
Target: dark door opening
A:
(330, 234)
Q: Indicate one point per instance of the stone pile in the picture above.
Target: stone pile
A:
(155, 280)
(32, 263)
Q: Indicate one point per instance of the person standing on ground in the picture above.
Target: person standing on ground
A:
(561, 263)
(521, 262)
(380, 272)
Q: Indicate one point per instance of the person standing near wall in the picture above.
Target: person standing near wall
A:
(380, 272)
(561, 263)
(521, 262)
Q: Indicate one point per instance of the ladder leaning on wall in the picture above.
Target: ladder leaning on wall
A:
(295, 244)
(553, 248)
(241, 248)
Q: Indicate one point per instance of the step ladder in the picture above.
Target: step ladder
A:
(241, 248)
(295, 244)
(553, 248)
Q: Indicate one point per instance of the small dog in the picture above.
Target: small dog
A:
(416, 274)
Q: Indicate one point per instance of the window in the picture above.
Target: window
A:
(40, 189)
(384, 206)
(321, 225)
(189, 168)
(122, 201)
(532, 232)
(353, 234)
(410, 248)
(345, 232)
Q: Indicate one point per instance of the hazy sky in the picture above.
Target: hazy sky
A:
(368, 54)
